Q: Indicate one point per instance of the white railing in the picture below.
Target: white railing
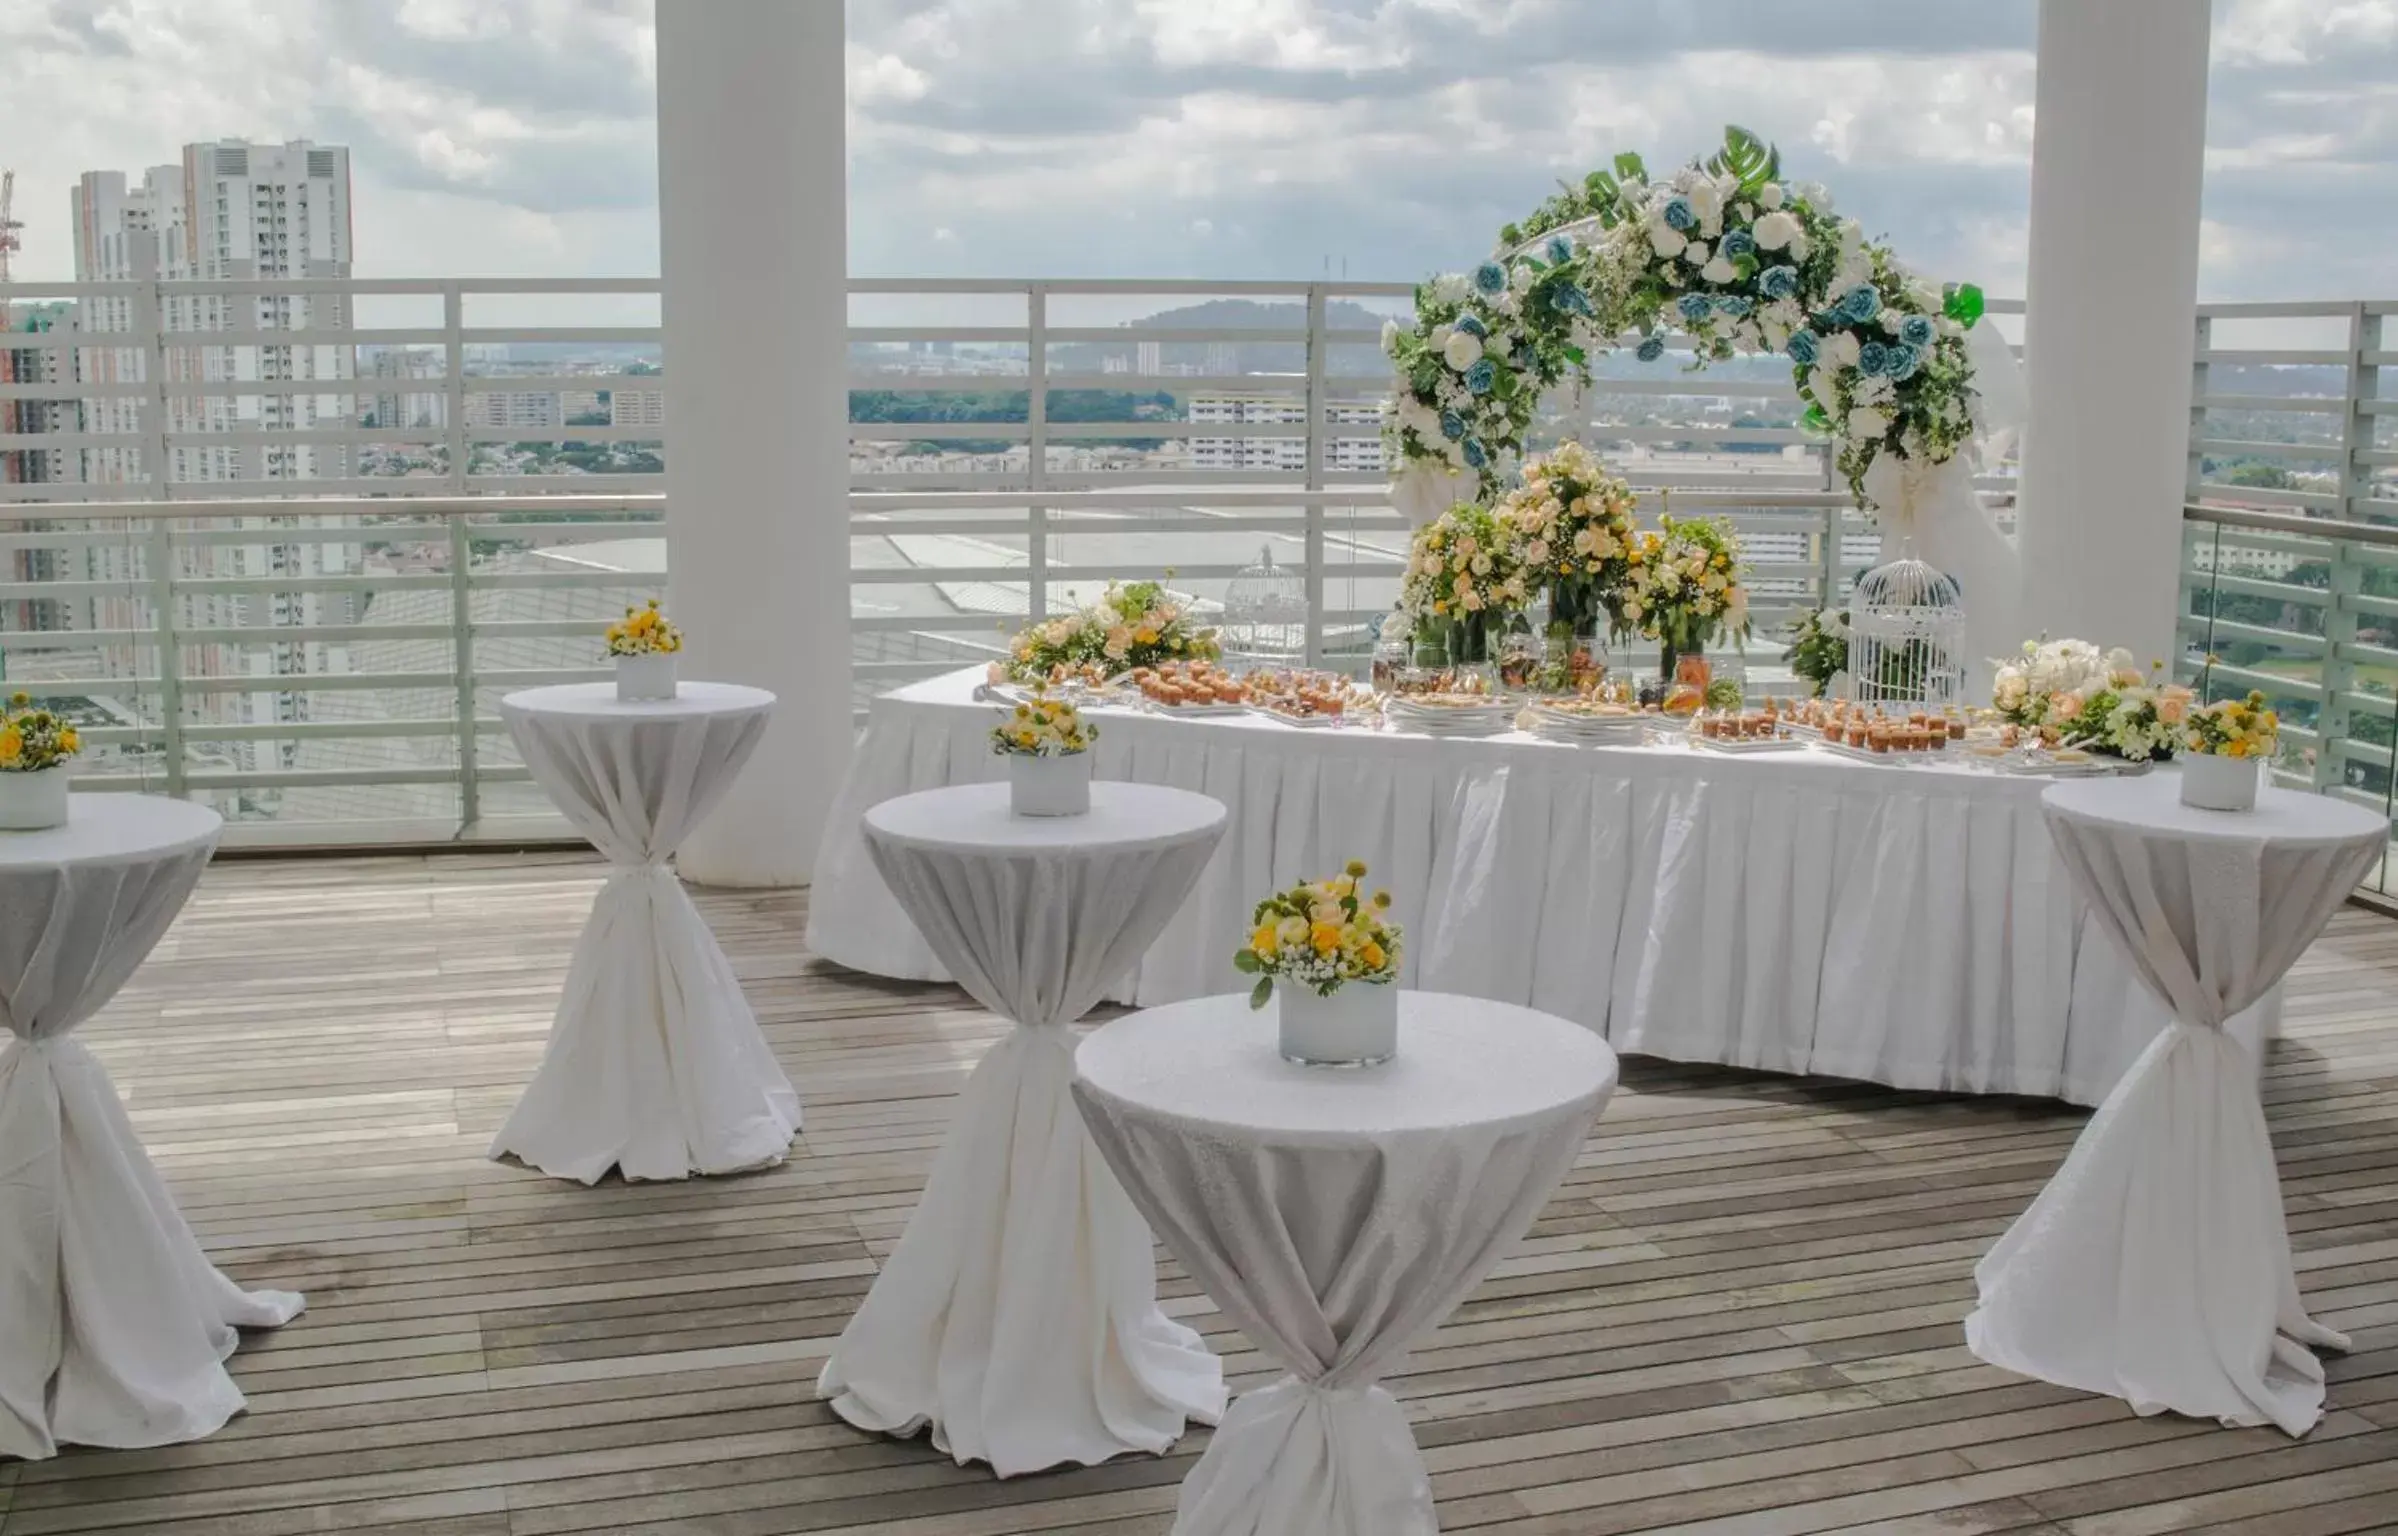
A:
(330, 662)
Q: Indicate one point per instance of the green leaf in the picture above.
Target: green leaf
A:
(1602, 186)
(1962, 302)
(1259, 993)
(1246, 962)
(1628, 166)
(1510, 234)
(1576, 356)
(1815, 420)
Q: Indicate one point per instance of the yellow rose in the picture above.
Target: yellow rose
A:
(1264, 941)
(1326, 937)
(69, 741)
(1372, 956)
(12, 745)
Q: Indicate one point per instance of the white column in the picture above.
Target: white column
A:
(2117, 155)
(753, 215)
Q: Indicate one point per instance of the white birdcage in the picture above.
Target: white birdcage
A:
(1907, 635)
(1265, 612)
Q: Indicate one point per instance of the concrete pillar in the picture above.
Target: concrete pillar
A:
(753, 214)
(2117, 156)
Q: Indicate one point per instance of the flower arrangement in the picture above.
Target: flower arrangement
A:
(1043, 727)
(32, 740)
(1727, 253)
(2024, 689)
(644, 631)
(1464, 570)
(1322, 935)
(1685, 586)
(1570, 527)
(1819, 649)
(2136, 721)
(1138, 625)
(2234, 728)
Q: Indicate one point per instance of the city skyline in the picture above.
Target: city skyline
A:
(1270, 138)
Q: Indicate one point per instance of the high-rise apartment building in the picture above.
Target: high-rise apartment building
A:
(1283, 455)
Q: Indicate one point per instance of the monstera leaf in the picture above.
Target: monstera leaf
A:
(1746, 157)
(1962, 302)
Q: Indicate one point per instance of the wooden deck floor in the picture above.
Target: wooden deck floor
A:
(1739, 1318)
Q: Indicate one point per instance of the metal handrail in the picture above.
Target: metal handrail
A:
(2379, 534)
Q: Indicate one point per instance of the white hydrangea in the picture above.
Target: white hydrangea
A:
(1390, 338)
(1769, 196)
(1695, 253)
(1666, 240)
(1867, 423)
(1718, 270)
(1841, 349)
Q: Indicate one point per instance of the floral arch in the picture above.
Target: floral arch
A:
(1733, 257)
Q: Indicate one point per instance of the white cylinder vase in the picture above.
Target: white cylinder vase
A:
(1057, 785)
(32, 801)
(1356, 1026)
(2213, 782)
(647, 677)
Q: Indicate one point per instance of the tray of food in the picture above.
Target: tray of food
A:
(1310, 700)
(1190, 688)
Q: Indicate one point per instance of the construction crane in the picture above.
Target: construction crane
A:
(8, 226)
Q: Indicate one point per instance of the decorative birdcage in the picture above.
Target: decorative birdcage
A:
(1265, 612)
(1907, 635)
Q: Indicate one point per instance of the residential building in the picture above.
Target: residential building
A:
(637, 408)
(514, 410)
(1353, 440)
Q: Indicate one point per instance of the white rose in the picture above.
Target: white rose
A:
(1775, 231)
(1666, 240)
(1800, 246)
(1695, 253)
(1450, 287)
(1440, 335)
(1390, 337)
(1769, 196)
(1867, 423)
(1841, 348)
(1519, 277)
(1718, 271)
(1463, 350)
(1820, 384)
(1891, 320)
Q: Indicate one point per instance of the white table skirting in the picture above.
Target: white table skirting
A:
(1793, 912)
(1336, 1216)
(1018, 1317)
(655, 1064)
(2156, 1265)
(113, 1324)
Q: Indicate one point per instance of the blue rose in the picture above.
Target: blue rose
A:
(1916, 330)
(1474, 454)
(1452, 425)
(1572, 300)
(1733, 304)
(1561, 249)
(1472, 327)
(1778, 282)
(1872, 358)
(1861, 303)
(1650, 349)
(1694, 306)
(1679, 215)
(1481, 376)
(1902, 361)
(1490, 277)
(1738, 243)
(1802, 347)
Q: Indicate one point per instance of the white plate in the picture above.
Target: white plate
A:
(1751, 744)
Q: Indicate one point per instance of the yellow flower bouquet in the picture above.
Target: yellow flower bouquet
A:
(2234, 728)
(34, 747)
(1321, 936)
(644, 631)
(1043, 727)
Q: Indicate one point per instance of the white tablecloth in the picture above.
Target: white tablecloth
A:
(1794, 912)
(1336, 1216)
(1018, 1317)
(113, 1324)
(2156, 1265)
(655, 1064)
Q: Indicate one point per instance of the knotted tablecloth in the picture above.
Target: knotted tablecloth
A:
(1336, 1216)
(655, 1064)
(1018, 1316)
(113, 1324)
(2155, 1266)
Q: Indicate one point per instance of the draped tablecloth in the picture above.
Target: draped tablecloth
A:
(655, 1064)
(1336, 1216)
(1793, 912)
(113, 1324)
(1018, 1316)
(2155, 1266)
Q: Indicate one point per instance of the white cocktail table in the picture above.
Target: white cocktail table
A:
(113, 1324)
(1018, 1317)
(1336, 1216)
(2155, 1266)
(655, 1064)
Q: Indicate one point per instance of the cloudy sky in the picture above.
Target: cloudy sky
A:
(1200, 138)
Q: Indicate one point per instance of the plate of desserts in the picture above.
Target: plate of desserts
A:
(1309, 700)
(1190, 688)
(1585, 722)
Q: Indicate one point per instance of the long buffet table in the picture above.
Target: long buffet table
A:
(1794, 912)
